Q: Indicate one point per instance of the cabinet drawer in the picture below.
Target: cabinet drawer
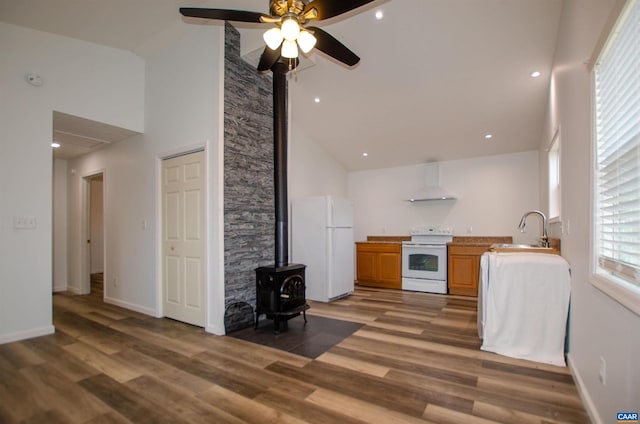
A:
(468, 250)
(379, 247)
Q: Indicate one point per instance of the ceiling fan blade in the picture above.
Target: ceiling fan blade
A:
(268, 59)
(223, 14)
(329, 8)
(326, 43)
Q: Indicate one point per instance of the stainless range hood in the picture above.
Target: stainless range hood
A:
(432, 189)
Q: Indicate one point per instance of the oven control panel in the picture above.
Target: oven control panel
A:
(426, 230)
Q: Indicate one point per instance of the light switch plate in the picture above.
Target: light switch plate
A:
(25, 222)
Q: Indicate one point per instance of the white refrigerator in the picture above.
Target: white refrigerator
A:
(322, 239)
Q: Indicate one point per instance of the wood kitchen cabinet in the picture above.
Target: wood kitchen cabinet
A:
(379, 264)
(464, 269)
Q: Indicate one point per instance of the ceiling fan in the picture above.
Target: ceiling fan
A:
(291, 31)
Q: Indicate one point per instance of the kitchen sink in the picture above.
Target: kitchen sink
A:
(517, 246)
(513, 247)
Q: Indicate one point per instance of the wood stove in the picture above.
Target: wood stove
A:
(280, 293)
(280, 289)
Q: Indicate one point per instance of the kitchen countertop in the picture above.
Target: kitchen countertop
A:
(386, 239)
(479, 241)
(471, 241)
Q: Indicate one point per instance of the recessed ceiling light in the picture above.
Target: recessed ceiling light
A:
(317, 100)
(488, 136)
(379, 15)
(535, 74)
(365, 154)
(55, 144)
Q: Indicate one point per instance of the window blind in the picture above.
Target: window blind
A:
(617, 102)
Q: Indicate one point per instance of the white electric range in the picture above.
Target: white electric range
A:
(424, 260)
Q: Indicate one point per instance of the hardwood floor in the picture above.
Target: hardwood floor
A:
(416, 359)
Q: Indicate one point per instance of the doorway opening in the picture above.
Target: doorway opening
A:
(95, 236)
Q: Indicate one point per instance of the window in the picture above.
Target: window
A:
(616, 232)
(553, 159)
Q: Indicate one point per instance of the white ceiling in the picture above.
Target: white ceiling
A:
(435, 75)
(78, 136)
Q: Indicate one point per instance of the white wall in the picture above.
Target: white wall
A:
(599, 326)
(80, 78)
(493, 193)
(312, 171)
(183, 111)
(59, 225)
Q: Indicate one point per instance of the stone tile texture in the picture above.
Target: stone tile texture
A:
(249, 215)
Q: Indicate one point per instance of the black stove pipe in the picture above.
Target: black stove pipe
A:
(280, 70)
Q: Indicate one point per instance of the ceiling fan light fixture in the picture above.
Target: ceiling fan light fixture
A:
(306, 41)
(290, 29)
(289, 49)
(290, 17)
(273, 38)
(311, 14)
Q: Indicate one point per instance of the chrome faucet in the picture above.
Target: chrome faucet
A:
(544, 240)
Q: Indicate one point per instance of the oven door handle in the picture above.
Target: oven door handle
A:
(423, 245)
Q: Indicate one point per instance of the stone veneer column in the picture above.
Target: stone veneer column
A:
(248, 173)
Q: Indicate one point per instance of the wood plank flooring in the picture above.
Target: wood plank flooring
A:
(416, 359)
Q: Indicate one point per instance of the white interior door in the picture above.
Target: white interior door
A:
(183, 252)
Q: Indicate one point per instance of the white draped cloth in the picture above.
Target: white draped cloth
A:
(523, 304)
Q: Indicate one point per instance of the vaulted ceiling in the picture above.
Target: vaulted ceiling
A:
(435, 77)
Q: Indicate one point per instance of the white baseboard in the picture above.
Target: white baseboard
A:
(215, 330)
(74, 290)
(130, 306)
(28, 334)
(58, 289)
(584, 394)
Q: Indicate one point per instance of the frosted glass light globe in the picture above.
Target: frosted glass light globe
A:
(289, 49)
(306, 41)
(273, 38)
(290, 29)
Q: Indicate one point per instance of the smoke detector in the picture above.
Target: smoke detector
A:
(34, 79)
